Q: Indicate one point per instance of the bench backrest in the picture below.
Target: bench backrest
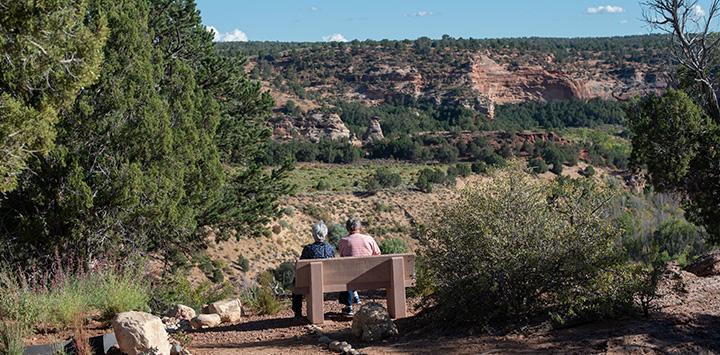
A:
(357, 273)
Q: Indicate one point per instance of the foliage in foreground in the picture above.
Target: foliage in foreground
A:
(519, 248)
(61, 297)
(11, 338)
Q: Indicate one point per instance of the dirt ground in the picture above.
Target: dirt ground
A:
(687, 321)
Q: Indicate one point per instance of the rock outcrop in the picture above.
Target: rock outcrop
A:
(372, 323)
(313, 126)
(374, 131)
(706, 265)
(140, 333)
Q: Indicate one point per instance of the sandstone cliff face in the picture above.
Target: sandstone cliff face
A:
(501, 86)
(479, 80)
(313, 125)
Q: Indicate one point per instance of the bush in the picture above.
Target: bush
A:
(463, 170)
(60, 298)
(261, 300)
(428, 177)
(392, 246)
(589, 171)
(538, 165)
(526, 248)
(382, 178)
(336, 232)
(557, 168)
(322, 185)
(479, 167)
(285, 274)
(243, 263)
(11, 338)
(174, 289)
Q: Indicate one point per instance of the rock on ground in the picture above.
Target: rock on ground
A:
(372, 323)
(181, 312)
(140, 333)
(230, 310)
(206, 321)
(707, 265)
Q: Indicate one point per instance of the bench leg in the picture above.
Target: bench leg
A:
(396, 293)
(315, 298)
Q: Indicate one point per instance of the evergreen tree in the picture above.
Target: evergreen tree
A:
(50, 49)
(137, 166)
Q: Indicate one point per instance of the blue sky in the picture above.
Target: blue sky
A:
(319, 20)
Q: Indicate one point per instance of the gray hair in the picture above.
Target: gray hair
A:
(353, 224)
(319, 231)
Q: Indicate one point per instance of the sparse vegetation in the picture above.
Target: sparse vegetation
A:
(525, 248)
(392, 246)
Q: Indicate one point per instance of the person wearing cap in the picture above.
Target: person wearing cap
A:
(320, 249)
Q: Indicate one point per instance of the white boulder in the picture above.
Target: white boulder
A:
(140, 333)
(230, 310)
(205, 321)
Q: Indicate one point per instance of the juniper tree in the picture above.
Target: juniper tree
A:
(49, 49)
(137, 166)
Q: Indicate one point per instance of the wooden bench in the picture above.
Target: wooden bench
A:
(315, 277)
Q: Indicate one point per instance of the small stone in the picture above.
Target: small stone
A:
(334, 345)
(181, 312)
(346, 349)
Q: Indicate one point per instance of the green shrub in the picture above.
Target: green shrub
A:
(336, 232)
(557, 168)
(392, 246)
(382, 178)
(261, 300)
(589, 171)
(322, 185)
(518, 248)
(174, 289)
(463, 169)
(285, 274)
(479, 167)
(68, 296)
(243, 263)
(11, 338)
(538, 165)
(423, 184)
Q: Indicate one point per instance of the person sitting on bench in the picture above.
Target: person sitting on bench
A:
(320, 249)
(355, 244)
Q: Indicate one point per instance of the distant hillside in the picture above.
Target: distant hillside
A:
(311, 82)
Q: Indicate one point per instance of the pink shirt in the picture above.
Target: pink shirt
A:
(358, 245)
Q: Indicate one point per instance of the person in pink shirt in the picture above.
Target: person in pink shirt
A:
(355, 244)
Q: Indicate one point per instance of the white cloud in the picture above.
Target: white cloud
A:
(233, 36)
(335, 38)
(421, 14)
(608, 9)
(624, 22)
(697, 11)
(314, 8)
